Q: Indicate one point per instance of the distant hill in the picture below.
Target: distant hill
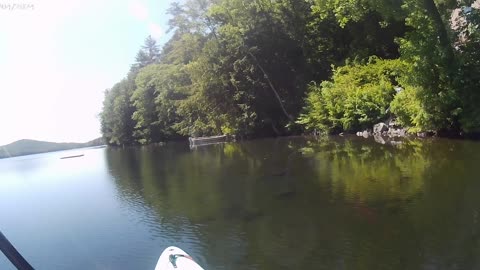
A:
(29, 147)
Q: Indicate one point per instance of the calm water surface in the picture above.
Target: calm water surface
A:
(291, 203)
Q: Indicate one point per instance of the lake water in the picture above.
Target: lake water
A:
(289, 203)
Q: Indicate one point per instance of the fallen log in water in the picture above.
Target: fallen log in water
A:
(72, 156)
(207, 140)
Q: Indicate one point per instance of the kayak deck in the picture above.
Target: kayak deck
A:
(175, 258)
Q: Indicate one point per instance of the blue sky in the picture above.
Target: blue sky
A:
(57, 58)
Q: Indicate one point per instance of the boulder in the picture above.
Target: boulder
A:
(392, 123)
(400, 132)
(379, 139)
(379, 128)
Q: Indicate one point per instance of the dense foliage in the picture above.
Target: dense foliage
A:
(357, 97)
(264, 67)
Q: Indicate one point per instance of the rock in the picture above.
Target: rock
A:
(379, 128)
(393, 123)
(399, 132)
(390, 122)
(379, 139)
(396, 143)
(365, 133)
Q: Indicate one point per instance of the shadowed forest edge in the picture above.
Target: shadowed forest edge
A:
(281, 67)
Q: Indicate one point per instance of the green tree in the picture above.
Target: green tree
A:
(245, 67)
(143, 98)
(358, 96)
(160, 90)
(148, 54)
(116, 117)
(427, 46)
(467, 42)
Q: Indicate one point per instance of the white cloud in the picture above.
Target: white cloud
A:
(155, 31)
(138, 10)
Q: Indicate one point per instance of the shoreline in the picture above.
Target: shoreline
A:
(430, 135)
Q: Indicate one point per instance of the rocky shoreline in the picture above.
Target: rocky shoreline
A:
(388, 131)
(391, 132)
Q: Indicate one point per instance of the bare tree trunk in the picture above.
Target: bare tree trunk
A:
(433, 12)
(277, 132)
(271, 86)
